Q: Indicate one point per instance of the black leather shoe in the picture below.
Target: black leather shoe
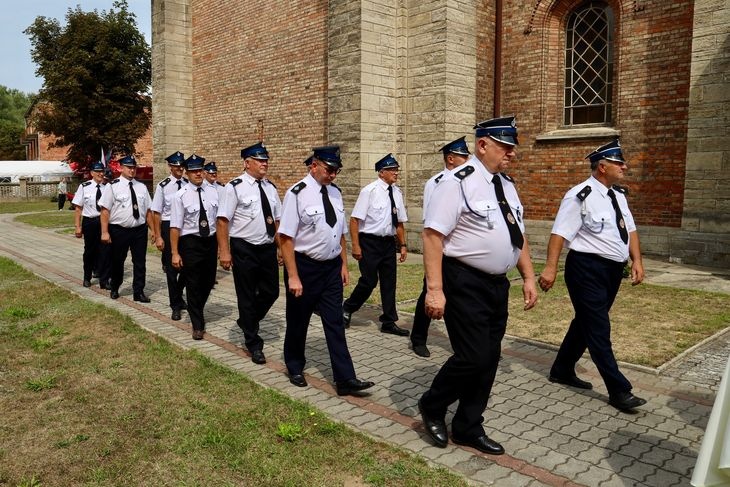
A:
(436, 428)
(87, 283)
(176, 315)
(198, 334)
(420, 350)
(482, 443)
(298, 380)
(571, 381)
(625, 401)
(141, 298)
(346, 317)
(105, 285)
(347, 387)
(114, 294)
(258, 357)
(394, 329)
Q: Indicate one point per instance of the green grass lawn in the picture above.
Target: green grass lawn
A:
(89, 398)
(28, 206)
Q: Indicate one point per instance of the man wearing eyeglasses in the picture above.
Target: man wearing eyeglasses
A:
(595, 221)
(249, 214)
(312, 234)
(473, 235)
(376, 230)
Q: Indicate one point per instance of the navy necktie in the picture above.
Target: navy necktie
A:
(203, 227)
(515, 235)
(393, 208)
(266, 207)
(329, 210)
(98, 196)
(179, 184)
(135, 207)
(619, 217)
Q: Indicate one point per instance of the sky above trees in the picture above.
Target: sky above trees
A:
(15, 45)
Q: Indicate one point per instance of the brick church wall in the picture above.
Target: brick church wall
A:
(259, 72)
(652, 63)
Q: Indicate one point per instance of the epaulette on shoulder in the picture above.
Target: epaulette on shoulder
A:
(298, 187)
(86, 183)
(164, 182)
(508, 177)
(583, 193)
(115, 181)
(462, 173)
(621, 189)
(236, 181)
(271, 183)
(336, 187)
(219, 183)
(438, 178)
(185, 179)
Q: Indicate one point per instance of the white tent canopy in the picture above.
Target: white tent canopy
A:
(38, 170)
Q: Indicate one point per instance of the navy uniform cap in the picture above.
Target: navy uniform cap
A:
(329, 154)
(256, 151)
(194, 162)
(97, 166)
(175, 159)
(210, 167)
(610, 151)
(128, 161)
(503, 129)
(457, 146)
(386, 162)
(308, 161)
(108, 174)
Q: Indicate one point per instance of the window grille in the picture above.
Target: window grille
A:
(589, 65)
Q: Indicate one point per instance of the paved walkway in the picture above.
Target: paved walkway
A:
(553, 435)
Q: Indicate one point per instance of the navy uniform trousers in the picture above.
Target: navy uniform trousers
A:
(476, 319)
(256, 276)
(322, 283)
(175, 278)
(199, 256)
(378, 263)
(593, 283)
(421, 321)
(133, 240)
(96, 254)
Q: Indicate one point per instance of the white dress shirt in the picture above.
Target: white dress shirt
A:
(241, 206)
(117, 198)
(303, 219)
(466, 212)
(373, 209)
(162, 200)
(85, 198)
(185, 211)
(590, 225)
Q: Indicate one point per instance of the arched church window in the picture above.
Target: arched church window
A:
(589, 65)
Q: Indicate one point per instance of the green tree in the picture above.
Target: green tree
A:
(97, 72)
(13, 105)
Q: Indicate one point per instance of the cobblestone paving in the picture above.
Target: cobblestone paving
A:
(553, 435)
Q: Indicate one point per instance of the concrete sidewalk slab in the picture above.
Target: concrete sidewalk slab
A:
(553, 435)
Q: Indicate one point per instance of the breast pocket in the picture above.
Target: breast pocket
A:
(123, 200)
(312, 214)
(488, 210)
(192, 214)
(595, 222)
(249, 206)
